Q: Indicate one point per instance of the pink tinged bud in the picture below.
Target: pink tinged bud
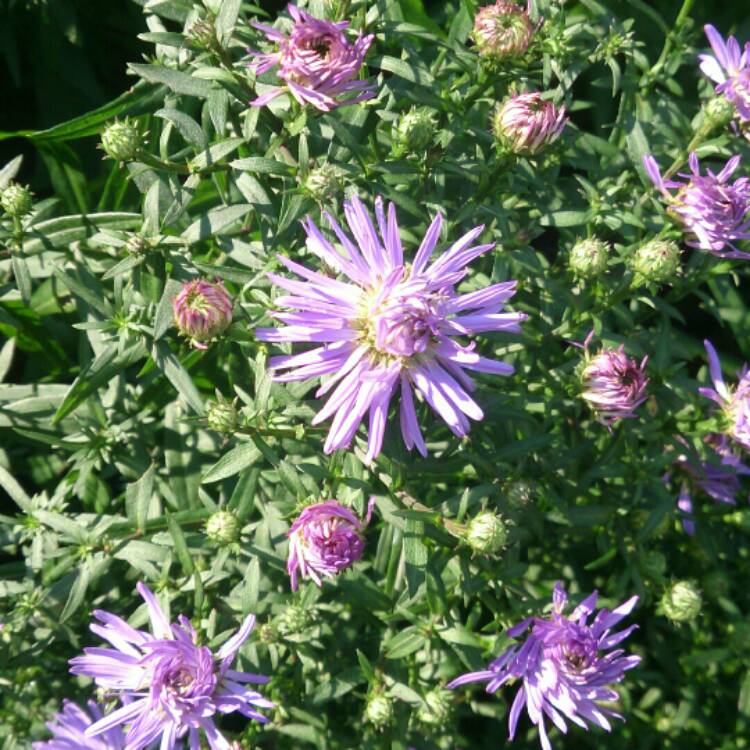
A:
(502, 31)
(526, 124)
(202, 311)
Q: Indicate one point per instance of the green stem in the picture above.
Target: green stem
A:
(672, 35)
(456, 529)
(183, 518)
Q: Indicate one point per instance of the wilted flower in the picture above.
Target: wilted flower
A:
(589, 258)
(317, 62)
(526, 124)
(614, 384)
(730, 69)
(169, 685)
(202, 310)
(734, 402)
(502, 31)
(413, 131)
(681, 602)
(121, 140)
(713, 210)
(656, 261)
(391, 325)
(16, 200)
(69, 730)
(487, 533)
(326, 539)
(562, 663)
(223, 527)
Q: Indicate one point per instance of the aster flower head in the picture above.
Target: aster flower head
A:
(713, 211)
(734, 402)
(325, 539)
(170, 686)
(502, 31)
(729, 69)
(202, 311)
(69, 730)
(566, 666)
(526, 124)
(390, 325)
(614, 385)
(316, 62)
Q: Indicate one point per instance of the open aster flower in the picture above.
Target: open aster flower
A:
(714, 211)
(69, 731)
(317, 62)
(169, 685)
(326, 539)
(390, 325)
(565, 665)
(734, 402)
(729, 68)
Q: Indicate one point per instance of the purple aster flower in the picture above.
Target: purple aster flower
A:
(734, 402)
(69, 730)
(614, 384)
(326, 539)
(562, 664)
(711, 209)
(316, 61)
(729, 68)
(169, 685)
(526, 124)
(389, 326)
(202, 310)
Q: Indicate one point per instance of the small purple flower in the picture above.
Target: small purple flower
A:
(526, 124)
(734, 402)
(170, 686)
(202, 311)
(614, 384)
(317, 62)
(729, 68)
(711, 209)
(389, 325)
(564, 672)
(326, 539)
(69, 730)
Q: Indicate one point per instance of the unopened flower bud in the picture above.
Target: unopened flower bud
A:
(414, 130)
(502, 31)
(589, 258)
(16, 200)
(223, 527)
(487, 533)
(121, 141)
(436, 707)
(295, 619)
(526, 124)
(519, 493)
(719, 112)
(201, 34)
(221, 416)
(202, 311)
(657, 261)
(137, 244)
(324, 183)
(268, 633)
(379, 711)
(681, 602)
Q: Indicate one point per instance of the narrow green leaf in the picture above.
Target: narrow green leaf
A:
(77, 592)
(215, 221)
(171, 366)
(238, 458)
(180, 83)
(180, 545)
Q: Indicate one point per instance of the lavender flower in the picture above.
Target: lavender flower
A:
(729, 68)
(734, 402)
(714, 211)
(502, 31)
(69, 730)
(326, 539)
(614, 384)
(564, 672)
(169, 685)
(526, 124)
(202, 310)
(316, 62)
(390, 325)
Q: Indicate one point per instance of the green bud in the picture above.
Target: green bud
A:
(487, 533)
(221, 416)
(519, 493)
(137, 244)
(588, 258)
(681, 602)
(657, 262)
(201, 34)
(436, 708)
(414, 131)
(295, 619)
(324, 183)
(121, 141)
(719, 112)
(379, 711)
(16, 200)
(223, 527)
(268, 633)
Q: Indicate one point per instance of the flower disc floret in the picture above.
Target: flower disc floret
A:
(566, 665)
(318, 64)
(389, 325)
(526, 124)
